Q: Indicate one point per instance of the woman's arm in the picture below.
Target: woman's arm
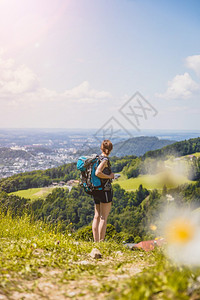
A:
(99, 171)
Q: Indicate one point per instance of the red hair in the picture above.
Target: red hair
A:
(106, 147)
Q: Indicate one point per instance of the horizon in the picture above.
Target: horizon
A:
(74, 128)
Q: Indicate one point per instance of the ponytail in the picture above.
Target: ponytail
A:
(106, 147)
(106, 151)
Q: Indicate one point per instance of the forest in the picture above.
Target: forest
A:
(131, 215)
(132, 212)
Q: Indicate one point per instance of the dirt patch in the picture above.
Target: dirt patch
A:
(42, 192)
(52, 286)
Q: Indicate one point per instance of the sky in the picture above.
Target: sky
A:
(85, 63)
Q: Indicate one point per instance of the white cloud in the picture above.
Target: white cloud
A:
(15, 80)
(180, 87)
(19, 84)
(193, 62)
(84, 93)
(24, 102)
(2, 51)
(177, 108)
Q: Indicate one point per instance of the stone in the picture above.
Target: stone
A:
(120, 253)
(95, 253)
(76, 243)
(130, 245)
(3, 297)
(84, 262)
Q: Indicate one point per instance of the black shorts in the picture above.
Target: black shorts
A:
(102, 196)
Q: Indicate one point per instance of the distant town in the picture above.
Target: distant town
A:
(25, 150)
(37, 161)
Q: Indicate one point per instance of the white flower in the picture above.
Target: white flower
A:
(181, 229)
(169, 197)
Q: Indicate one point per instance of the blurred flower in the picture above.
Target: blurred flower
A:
(153, 227)
(181, 229)
(169, 197)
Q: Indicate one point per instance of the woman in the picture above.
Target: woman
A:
(103, 198)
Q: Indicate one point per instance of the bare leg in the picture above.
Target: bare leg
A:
(104, 212)
(95, 223)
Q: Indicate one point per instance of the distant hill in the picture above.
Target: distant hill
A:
(139, 145)
(176, 149)
(135, 146)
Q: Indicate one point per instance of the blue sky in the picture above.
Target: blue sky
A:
(73, 64)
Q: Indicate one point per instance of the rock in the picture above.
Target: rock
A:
(120, 253)
(95, 253)
(76, 243)
(193, 286)
(38, 251)
(72, 294)
(83, 262)
(26, 296)
(130, 245)
(33, 246)
(2, 297)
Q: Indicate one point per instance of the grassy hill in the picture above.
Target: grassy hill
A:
(151, 182)
(176, 149)
(197, 154)
(38, 262)
(172, 174)
(34, 193)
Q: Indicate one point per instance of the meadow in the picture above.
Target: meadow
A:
(34, 193)
(173, 174)
(39, 262)
(197, 154)
(151, 182)
(148, 181)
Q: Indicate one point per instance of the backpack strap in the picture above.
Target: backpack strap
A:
(102, 158)
(106, 183)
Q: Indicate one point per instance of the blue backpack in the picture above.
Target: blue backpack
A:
(88, 165)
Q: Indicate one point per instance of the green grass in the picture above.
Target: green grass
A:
(150, 182)
(171, 177)
(39, 262)
(172, 163)
(197, 154)
(34, 193)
